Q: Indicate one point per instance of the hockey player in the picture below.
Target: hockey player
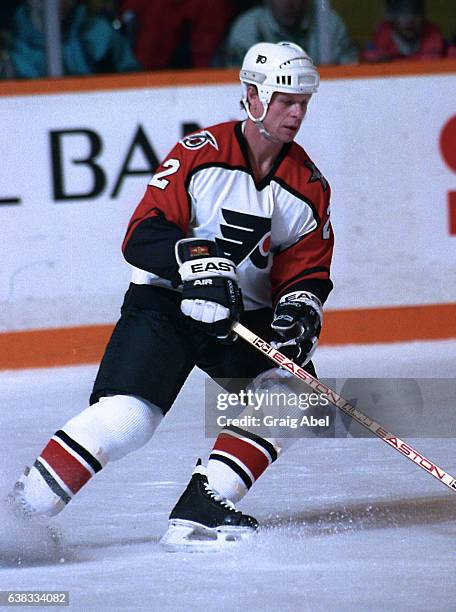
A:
(234, 225)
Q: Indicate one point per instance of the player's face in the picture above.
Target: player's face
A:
(285, 115)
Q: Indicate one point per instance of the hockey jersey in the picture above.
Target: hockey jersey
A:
(277, 231)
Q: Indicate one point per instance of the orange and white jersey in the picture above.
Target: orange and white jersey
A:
(277, 231)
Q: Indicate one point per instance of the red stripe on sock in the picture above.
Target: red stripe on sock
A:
(244, 452)
(67, 467)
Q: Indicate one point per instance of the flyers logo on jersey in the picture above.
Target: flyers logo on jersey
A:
(198, 140)
(245, 235)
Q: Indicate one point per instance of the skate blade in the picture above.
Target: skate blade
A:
(187, 536)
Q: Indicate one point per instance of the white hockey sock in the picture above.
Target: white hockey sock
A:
(106, 431)
(225, 480)
(241, 455)
(237, 460)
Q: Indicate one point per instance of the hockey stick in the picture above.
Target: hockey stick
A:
(361, 418)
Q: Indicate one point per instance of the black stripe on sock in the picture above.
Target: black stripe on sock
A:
(235, 467)
(88, 458)
(268, 447)
(51, 482)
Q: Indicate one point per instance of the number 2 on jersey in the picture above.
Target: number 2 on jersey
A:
(172, 165)
(327, 227)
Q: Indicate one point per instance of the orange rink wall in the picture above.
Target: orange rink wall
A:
(85, 344)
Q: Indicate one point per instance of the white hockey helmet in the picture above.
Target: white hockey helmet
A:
(271, 67)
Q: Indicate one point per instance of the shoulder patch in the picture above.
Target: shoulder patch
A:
(198, 140)
(316, 175)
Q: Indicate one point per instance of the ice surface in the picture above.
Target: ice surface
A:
(348, 524)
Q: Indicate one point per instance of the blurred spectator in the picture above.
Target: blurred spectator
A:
(452, 46)
(124, 21)
(176, 33)
(292, 20)
(7, 10)
(103, 8)
(89, 44)
(6, 65)
(405, 34)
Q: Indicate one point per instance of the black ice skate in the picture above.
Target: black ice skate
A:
(204, 520)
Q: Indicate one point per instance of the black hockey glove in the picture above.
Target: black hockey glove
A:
(210, 294)
(297, 318)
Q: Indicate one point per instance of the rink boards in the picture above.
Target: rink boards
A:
(79, 153)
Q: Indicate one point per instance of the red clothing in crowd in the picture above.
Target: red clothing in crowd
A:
(384, 47)
(162, 24)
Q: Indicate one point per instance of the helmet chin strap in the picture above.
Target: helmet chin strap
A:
(258, 121)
